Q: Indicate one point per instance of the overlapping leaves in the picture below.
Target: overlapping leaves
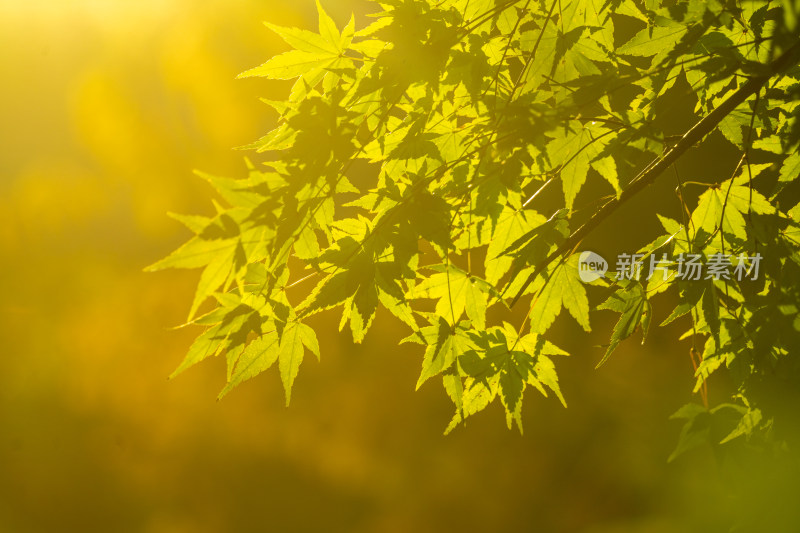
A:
(466, 114)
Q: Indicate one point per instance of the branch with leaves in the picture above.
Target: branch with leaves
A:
(652, 171)
(464, 112)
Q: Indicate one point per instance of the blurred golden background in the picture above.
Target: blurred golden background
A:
(106, 107)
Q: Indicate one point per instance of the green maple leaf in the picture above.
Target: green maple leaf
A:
(790, 169)
(654, 40)
(580, 147)
(312, 52)
(562, 289)
(631, 302)
(724, 207)
(230, 327)
(296, 338)
(258, 357)
(512, 225)
(445, 343)
(457, 291)
(196, 253)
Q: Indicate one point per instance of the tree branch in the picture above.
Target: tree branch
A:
(705, 126)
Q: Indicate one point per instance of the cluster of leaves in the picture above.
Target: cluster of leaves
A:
(463, 112)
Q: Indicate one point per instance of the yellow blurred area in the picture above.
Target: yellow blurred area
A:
(106, 107)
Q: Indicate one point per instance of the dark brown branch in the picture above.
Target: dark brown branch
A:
(789, 59)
